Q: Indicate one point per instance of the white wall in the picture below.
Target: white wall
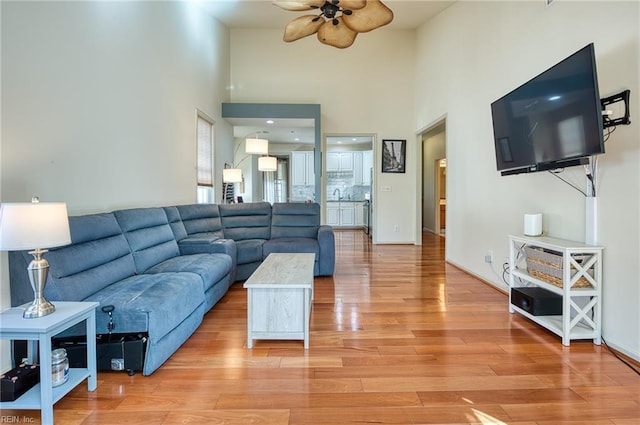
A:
(475, 52)
(99, 105)
(367, 88)
(99, 101)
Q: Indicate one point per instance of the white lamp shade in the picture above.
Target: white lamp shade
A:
(267, 163)
(232, 175)
(25, 226)
(257, 146)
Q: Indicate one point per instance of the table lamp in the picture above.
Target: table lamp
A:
(35, 226)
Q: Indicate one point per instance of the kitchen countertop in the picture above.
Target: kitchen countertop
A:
(345, 200)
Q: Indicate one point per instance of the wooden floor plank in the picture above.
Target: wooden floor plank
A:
(397, 337)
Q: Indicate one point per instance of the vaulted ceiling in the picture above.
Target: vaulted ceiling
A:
(408, 14)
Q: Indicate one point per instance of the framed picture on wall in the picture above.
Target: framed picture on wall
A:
(393, 156)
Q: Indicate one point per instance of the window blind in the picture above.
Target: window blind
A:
(205, 152)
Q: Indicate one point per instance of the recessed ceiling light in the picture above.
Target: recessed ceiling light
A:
(297, 139)
(354, 139)
(270, 121)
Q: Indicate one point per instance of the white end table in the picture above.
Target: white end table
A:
(280, 293)
(43, 395)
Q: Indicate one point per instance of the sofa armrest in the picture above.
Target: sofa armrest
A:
(326, 241)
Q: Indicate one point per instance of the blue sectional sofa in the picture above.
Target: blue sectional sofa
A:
(163, 268)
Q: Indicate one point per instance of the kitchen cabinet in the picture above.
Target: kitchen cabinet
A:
(333, 214)
(302, 168)
(341, 214)
(347, 214)
(359, 212)
(339, 161)
(362, 163)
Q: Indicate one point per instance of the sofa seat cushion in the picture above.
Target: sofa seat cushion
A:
(291, 245)
(249, 250)
(143, 303)
(210, 267)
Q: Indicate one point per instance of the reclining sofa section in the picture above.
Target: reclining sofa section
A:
(163, 268)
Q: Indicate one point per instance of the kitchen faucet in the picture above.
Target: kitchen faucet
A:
(339, 195)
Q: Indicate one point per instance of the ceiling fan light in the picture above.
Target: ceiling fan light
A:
(302, 27)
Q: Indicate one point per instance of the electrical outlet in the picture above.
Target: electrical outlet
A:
(488, 257)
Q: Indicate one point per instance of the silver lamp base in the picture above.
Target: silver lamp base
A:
(40, 307)
(38, 270)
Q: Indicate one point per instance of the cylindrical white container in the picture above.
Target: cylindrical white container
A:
(533, 224)
(59, 367)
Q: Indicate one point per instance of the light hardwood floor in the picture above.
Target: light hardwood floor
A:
(397, 337)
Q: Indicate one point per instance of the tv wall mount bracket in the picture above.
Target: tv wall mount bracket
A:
(623, 96)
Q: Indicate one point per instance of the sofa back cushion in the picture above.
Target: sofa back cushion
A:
(97, 257)
(175, 222)
(149, 235)
(201, 218)
(295, 220)
(246, 221)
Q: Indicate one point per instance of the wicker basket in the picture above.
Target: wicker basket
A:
(546, 265)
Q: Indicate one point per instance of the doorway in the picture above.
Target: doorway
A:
(348, 171)
(434, 182)
(441, 195)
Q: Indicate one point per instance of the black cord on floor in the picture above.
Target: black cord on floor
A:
(616, 355)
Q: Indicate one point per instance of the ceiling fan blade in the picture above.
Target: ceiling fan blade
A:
(374, 15)
(302, 27)
(338, 35)
(352, 4)
(298, 5)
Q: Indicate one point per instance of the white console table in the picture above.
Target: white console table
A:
(43, 395)
(581, 310)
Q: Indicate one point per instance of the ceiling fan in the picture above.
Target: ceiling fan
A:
(339, 21)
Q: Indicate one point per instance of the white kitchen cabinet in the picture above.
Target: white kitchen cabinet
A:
(341, 214)
(357, 168)
(367, 164)
(359, 213)
(347, 214)
(302, 168)
(339, 161)
(346, 161)
(333, 214)
(362, 162)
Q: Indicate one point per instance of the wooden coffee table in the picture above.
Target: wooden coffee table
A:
(279, 297)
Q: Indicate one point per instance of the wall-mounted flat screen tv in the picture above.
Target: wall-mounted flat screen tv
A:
(552, 121)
